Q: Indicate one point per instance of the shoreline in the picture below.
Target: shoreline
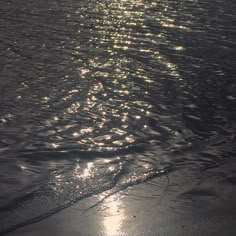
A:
(189, 203)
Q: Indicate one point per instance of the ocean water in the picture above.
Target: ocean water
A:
(106, 94)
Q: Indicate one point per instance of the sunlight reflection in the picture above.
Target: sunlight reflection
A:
(87, 172)
(118, 59)
(114, 214)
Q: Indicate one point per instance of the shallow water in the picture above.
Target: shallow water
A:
(104, 94)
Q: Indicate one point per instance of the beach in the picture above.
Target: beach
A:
(183, 203)
(118, 117)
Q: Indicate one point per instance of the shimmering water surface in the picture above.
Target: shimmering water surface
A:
(106, 94)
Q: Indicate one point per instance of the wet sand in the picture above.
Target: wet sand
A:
(186, 202)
